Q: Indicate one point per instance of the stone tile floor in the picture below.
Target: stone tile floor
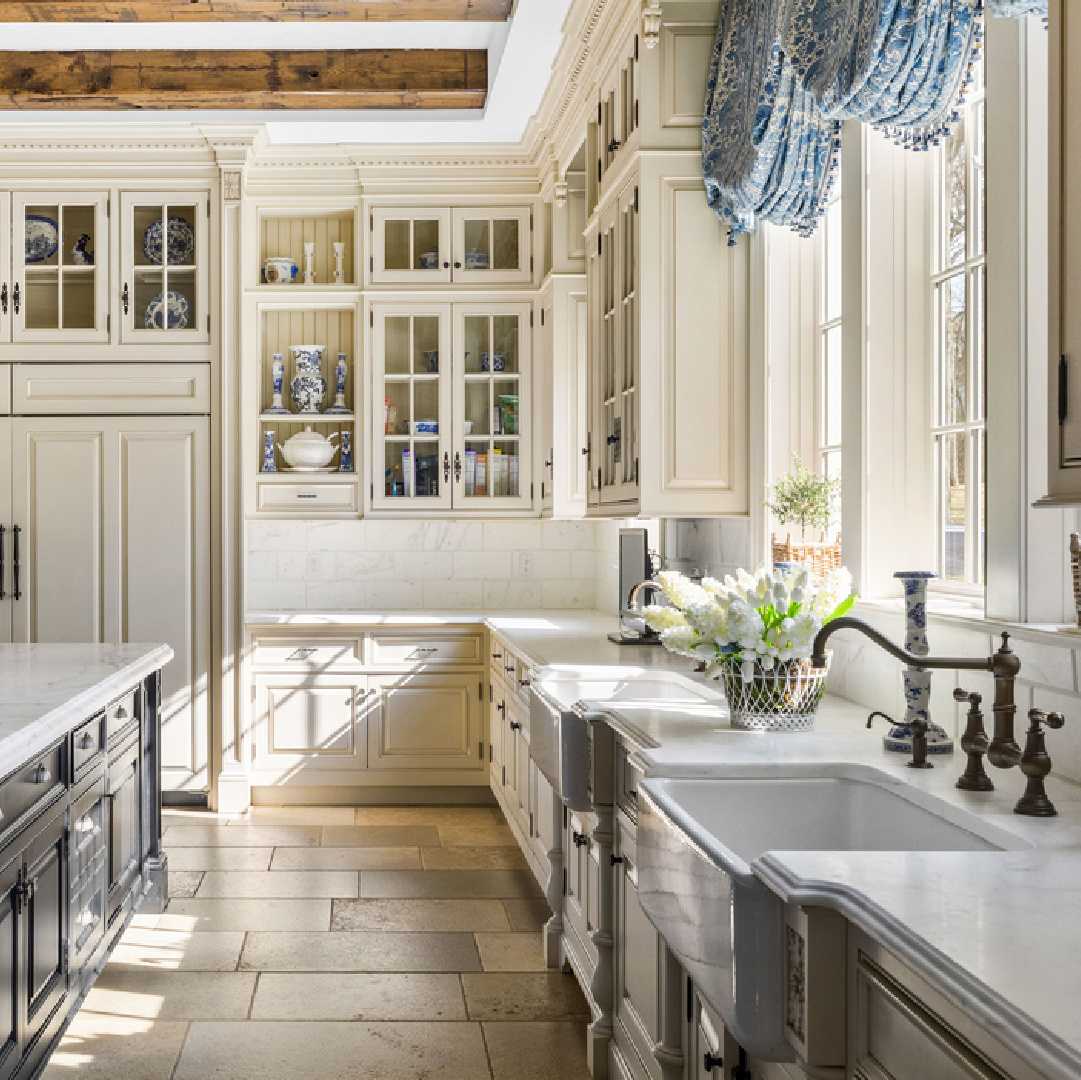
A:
(377, 943)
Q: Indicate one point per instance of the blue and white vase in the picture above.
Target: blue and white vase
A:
(308, 386)
(277, 375)
(347, 452)
(917, 681)
(339, 408)
(269, 465)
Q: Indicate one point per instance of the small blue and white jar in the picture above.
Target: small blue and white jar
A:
(347, 452)
(269, 464)
(277, 377)
(339, 408)
(308, 387)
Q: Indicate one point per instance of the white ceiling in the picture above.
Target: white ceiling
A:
(520, 57)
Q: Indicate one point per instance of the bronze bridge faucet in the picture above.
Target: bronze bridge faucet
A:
(1002, 749)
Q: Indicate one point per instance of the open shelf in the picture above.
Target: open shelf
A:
(285, 237)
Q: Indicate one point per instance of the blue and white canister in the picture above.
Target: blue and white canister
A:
(347, 452)
(269, 464)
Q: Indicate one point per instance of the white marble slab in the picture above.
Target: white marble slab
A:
(46, 690)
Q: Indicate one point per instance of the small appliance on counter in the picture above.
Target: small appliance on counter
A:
(636, 570)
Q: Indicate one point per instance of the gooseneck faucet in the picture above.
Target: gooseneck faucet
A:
(1002, 751)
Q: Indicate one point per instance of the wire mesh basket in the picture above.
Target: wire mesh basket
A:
(783, 698)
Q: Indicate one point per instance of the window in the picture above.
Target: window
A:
(828, 339)
(958, 423)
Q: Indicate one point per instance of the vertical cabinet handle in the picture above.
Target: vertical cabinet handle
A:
(16, 591)
(124, 298)
(4, 297)
(446, 466)
(3, 595)
(15, 297)
(457, 466)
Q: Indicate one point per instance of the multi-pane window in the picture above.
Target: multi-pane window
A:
(828, 330)
(959, 289)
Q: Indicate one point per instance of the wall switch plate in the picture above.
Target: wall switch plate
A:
(317, 566)
(525, 565)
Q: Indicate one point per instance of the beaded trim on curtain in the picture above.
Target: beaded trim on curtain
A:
(786, 73)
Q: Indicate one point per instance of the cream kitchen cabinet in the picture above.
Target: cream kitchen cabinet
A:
(105, 526)
(451, 407)
(425, 246)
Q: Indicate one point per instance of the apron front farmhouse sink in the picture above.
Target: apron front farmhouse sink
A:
(698, 836)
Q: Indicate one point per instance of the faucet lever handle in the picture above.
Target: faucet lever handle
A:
(972, 699)
(975, 743)
(1036, 764)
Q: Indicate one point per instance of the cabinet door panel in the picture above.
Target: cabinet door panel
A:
(88, 854)
(410, 246)
(492, 245)
(124, 827)
(59, 500)
(9, 965)
(426, 722)
(46, 924)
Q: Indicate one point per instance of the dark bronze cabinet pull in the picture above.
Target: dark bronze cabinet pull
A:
(515, 726)
(16, 591)
(3, 595)
(124, 298)
(457, 466)
(4, 297)
(15, 297)
(446, 467)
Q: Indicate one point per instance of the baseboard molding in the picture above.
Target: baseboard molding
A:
(185, 798)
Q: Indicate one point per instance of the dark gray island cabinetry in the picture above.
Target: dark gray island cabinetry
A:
(80, 827)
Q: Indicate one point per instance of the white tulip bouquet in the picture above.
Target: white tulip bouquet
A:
(753, 629)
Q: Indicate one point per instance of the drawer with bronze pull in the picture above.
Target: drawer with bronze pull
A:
(393, 650)
(34, 785)
(87, 743)
(120, 717)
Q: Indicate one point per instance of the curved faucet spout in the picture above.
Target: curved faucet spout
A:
(849, 622)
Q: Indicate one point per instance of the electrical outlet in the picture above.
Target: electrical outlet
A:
(525, 565)
(317, 566)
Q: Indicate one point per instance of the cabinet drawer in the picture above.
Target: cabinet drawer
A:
(120, 717)
(34, 785)
(449, 649)
(496, 658)
(305, 655)
(307, 497)
(87, 743)
(83, 389)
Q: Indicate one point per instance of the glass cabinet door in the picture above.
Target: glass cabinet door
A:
(411, 454)
(410, 245)
(491, 385)
(493, 244)
(163, 287)
(61, 266)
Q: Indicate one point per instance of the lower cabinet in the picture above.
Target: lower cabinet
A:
(124, 820)
(88, 855)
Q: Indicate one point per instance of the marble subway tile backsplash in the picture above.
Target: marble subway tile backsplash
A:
(428, 565)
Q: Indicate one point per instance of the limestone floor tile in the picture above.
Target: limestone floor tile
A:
(241, 835)
(527, 912)
(380, 836)
(370, 996)
(178, 950)
(427, 815)
(473, 858)
(511, 952)
(464, 916)
(279, 883)
(184, 883)
(346, 858)
(526, 996)
(300, 815)
(546, 1051)
(220, 858)
(333, 1051)
(245, 913)
(447, 883)
(360, 951)
(172, 995)
(106, 1047)
(493, 836)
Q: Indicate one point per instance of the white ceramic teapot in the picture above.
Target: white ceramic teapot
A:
(308, 450)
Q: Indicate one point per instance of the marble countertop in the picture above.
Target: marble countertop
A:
(46, 690)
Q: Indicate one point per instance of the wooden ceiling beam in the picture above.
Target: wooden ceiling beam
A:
(158, 11)
(245, 79)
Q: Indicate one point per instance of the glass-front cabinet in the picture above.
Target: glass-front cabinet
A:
(164, 256)
(421, 246)
(450, 407)
(60, 269)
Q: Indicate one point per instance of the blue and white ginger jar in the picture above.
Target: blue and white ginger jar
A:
(308, 387)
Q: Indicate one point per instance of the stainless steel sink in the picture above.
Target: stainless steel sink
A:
(698, 837)
(560, 699)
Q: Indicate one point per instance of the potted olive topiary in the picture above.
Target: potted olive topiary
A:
(806, 499)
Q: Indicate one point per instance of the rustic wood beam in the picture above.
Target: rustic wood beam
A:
(245, 79)
(157, 11)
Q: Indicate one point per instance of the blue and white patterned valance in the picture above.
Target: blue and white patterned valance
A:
(785, 73)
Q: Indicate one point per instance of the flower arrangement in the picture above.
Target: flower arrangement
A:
(756, 634)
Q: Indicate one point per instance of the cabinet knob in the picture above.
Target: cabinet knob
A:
(86, 741)
(579, 839)
(711, 1062)
(446, 265)
(502, 706)
(121, 713)
(457, 266)
(41, 775)
(614, 859)
(523, 683)
(515, 726)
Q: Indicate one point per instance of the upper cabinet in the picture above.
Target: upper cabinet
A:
(164, 258)
(423, 246)
(59, 266)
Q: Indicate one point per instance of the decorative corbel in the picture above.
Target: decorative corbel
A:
(561, 193)
(651, 24)
(231, 184)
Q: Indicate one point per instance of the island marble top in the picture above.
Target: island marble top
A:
(46, 690)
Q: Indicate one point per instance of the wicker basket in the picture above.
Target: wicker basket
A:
(784, 698)
(821, 557)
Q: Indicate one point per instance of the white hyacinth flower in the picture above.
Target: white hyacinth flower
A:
(659, 617)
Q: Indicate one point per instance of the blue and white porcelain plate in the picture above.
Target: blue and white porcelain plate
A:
(42, 238)
(181, 242)
(179, 309)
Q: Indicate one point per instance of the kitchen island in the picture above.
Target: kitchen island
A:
(80, 827)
